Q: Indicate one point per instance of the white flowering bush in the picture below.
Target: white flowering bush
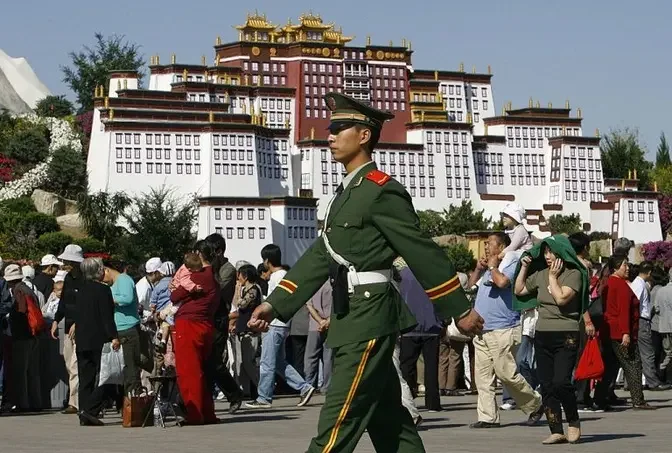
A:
(62, 135)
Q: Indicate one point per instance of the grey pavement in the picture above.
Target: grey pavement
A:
(287, 429)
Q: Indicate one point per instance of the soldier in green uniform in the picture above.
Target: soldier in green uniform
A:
(369, 222)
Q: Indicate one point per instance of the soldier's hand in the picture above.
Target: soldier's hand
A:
(261, 318)
(471, 324)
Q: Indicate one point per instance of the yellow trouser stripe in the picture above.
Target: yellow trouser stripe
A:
(351, 395)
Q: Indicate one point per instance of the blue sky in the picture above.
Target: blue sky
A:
(607, 57)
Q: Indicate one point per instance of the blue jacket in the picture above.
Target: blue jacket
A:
(161, 294)
(418, 302)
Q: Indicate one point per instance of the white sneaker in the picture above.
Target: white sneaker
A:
(421, 388)
(220, 396)
(508, 406)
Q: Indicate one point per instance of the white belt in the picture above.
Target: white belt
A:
(367, 278)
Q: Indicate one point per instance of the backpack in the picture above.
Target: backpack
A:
(36, 323)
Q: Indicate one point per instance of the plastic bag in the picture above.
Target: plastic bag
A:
(591, 365)
(111, 366)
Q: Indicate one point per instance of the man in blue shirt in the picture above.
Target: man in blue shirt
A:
(496, 347)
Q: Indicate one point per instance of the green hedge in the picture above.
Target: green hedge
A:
(54, 242)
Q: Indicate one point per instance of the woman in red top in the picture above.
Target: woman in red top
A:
(620, 327)
(194, 333)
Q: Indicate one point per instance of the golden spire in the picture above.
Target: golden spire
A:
(244, 107)
(410, 46)
(252, 109)
(312, 133)
(473, 69)
(368, 40)
(107, 102)
(485, 129)
(287, 123)
(567, 104)
(391, 43)
(597, 133)
(158, 60)
(550, 105)
(211, 116)
(173, 59)
(125, 84)
(111, 114)
(461, 68)
(95, 92)
(185, 74)
(538, 105)
(504, 111)
(246, 79)
(403, 42)
(226, 97)
(436, 75)
(622, 184)
(422, 116)
(151, 60)
(263, 120)
(469, 118)
(530, 103)
(203, 60)
(579, 113)
(629, 174)
(216, 60)
(218, 41)
(489, 70)
(509, 106)
(635, 173)
(655, 186)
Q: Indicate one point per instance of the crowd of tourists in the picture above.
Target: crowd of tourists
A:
(541, 303)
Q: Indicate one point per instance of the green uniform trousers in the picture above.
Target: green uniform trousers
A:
(365, 394)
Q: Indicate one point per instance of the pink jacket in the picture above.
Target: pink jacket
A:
(182, 278)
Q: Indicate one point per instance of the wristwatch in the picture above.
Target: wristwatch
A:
(490, 268)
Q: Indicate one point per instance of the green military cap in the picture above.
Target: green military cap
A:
(345, 109)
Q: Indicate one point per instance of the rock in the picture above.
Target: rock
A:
(71, 207)
(450, 239)
(69, 221)
(48, 203)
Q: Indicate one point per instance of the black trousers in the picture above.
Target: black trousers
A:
(556, 354)
(130, 342)
(217, 371)
(411, 348)
(91, 395)
(298, 352)
(604, 390)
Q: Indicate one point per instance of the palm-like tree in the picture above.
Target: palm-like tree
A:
(100, 213)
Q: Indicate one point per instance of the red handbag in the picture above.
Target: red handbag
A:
(591, 365)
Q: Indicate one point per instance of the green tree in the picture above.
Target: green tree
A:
(432, 222)
(622, 152)
(53, 243)
(663, 152)
(67, 173)
(462, 258)
(54, 106)
(160, 225)
(662, 176)
(568, 224)
(92, 65)
(28, 146)
(100, 213)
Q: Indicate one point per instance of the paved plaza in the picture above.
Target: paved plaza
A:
(287, 429)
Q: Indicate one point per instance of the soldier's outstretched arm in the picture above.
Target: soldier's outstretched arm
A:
(394, 216)
(300, 284)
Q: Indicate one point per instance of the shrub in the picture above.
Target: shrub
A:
(20, 205)
(67, 173)
(27, 223)
(6, 168)
(53, 243)
(90, 245)
(462, 258)
(599, 235)
(28, 146)
(659, 252)
(568, 224)
(54, 106)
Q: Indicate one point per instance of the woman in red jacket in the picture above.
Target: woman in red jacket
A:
(620, 327)
(193, 339)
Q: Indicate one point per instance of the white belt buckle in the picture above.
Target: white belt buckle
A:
(353, 279)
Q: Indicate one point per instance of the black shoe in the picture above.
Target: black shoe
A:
(234, 406)
(481, 425)
(535, 416)
(661, 388)
(89, 420)
(305, 399)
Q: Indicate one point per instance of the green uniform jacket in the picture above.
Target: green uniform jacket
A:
(371, 223)
(563, 249)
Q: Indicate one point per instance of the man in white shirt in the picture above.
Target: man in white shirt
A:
(645, 341)
(273, 360)
(145, 285)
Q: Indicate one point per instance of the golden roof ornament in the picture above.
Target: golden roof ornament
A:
(469, 118)
(538, 105)
(111, 114)
(489, 69)
(436, 75)
(473, 69)
(252, 109)
(622, 184)
(403, 42)
(185, 75)
(550, 105)
(410, 46)
(173, 59)
(158, 60)
(286, 122)
(461, 67)
(203, 60)
(246, 79)
(107, 102)
(125, 84)
(485, 129)
(391, 43)
(597, 133)
(226, 97)
(635, 173)
(629, 174)
(567, 104)
(579, 113)
(244, 107)
(530, 103)
(655, 186)
(218, 41)
(211, 116)
(368, 40)
(118, 84)
(312, 133)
